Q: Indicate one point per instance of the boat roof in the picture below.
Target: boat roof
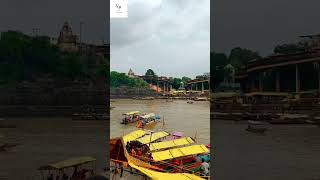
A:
(68, 163)
(179, 152)
(165, 176)
(133, 136)
(170, 144)
(152, 137)
(179, 134)
(148, 116)
(131, 113)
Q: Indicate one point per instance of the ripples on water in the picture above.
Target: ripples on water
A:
(191, 119)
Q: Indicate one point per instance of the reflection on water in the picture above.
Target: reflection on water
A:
(46, 140)
(191, 119)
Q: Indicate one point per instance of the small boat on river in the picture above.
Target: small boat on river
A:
(190, 102)
(83, 168)
(148, 120)
(257, 127)
(130, 117)
(147, 98)
(200, 99)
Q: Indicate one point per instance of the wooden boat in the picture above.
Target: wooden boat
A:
(6, 146)
(251, 122)
(155, 162)
(255, 129)
(257, 126)
(148, 121)
(190, 102)
(82, 167)
(147, 98)
(200, 99)
(130, 117)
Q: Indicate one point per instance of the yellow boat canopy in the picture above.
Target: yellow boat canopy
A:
(131, 113)
(170, 144)
(165, 176)
(133, 136)
(179, 152)
(150, 115)
(154, 136)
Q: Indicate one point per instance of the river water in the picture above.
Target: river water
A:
(48, 140)
(191, 119)
(284, 152)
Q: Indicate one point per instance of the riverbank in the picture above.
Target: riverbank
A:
(45, 140)
(131, 92)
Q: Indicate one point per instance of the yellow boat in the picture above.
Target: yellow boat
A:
(162, 153)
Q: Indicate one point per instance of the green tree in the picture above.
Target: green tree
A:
(185, 79)
(239, 57)
(217, 63)
(176, 83)
(121, 79)
(25, 58)
(150, 72)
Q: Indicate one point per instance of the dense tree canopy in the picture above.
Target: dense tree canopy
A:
(150, 72)
(185, 79)
(176, 83)
(239, 57)
(121, 79)
(25, 58)
(217, 63)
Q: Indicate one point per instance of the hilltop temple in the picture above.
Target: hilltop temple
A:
(131, 74)
(66, 40)
(69, 42)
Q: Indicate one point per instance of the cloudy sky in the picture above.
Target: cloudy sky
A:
(49, 15)
(172, 37)
(260, 25)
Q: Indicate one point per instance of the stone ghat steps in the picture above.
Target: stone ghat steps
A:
(263, 112)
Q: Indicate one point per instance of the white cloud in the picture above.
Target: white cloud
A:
(170, 36)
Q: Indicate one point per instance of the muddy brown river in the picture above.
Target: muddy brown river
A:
(46, 140)
(191, 119)
(284, 152)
